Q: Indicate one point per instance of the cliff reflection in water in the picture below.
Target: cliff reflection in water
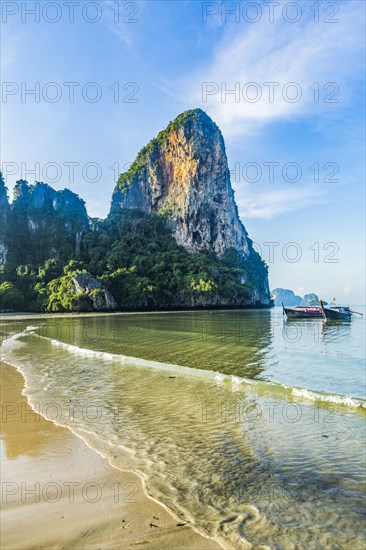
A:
(233, 342)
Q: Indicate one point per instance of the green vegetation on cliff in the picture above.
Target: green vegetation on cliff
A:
(133, 256)
(145, 268)
(125, 180)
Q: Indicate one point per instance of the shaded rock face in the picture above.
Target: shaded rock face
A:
(4, 220)
(44, 223)
(183, 175)
(100, 298)
(288, 297)
(310, 299)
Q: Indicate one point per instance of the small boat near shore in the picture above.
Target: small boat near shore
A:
(331, 312)
(302, 312)
(334, 313)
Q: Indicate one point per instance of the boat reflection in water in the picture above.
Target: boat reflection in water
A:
(335, 331)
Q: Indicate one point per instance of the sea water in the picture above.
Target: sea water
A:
(247, 426)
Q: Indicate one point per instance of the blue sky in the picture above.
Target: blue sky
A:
(165, 57)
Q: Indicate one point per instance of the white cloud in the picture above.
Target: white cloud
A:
(303, 52)
(270, 204)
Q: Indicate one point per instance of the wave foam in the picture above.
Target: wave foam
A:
(328, 398)
(236, 382)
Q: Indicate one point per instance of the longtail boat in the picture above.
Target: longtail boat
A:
(302, 312)
(341, 313)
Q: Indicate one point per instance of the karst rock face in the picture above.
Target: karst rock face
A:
(183, 175)
(4, 220)
(42, 223)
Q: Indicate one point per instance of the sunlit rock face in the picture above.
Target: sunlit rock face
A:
(183, 175)
(100, 298)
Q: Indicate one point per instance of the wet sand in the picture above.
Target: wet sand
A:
(59, 493)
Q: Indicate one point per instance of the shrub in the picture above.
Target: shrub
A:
(10, 296)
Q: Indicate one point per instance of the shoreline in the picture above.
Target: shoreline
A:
(311, 396)
(56, 460)
(116, 468)
(19, 315)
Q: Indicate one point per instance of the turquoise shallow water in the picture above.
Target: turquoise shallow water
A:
(249, 427)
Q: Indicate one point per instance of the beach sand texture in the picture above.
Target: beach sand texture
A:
(59, 493)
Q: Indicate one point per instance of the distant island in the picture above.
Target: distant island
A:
(173, 237)
(289, 298)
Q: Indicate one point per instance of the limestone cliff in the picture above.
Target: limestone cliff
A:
(310, 299)
(183, 175)
(173, 238)
(4, 220)
(289, 298)
(93, 292)
(44, 223)
(285, 295)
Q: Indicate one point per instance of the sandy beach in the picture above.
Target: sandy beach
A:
(59, 493)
